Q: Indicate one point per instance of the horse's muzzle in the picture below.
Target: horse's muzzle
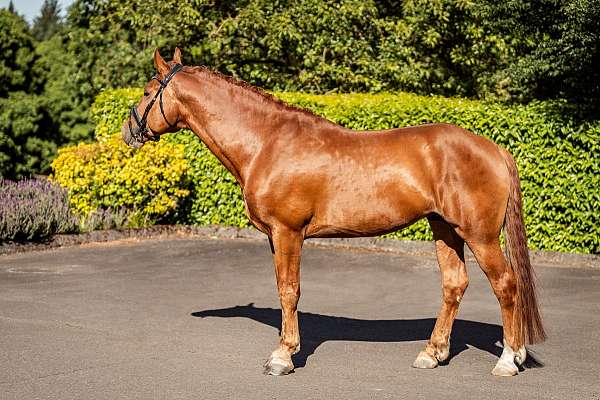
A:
(129, 139)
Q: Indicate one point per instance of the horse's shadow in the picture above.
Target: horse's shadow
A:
(317, 329)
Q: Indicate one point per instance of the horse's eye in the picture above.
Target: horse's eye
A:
(146, 94)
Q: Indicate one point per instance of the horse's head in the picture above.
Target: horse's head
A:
(158, 111)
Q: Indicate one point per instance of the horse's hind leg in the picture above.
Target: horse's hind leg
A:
(450, 255)
(286, 245)
(502, 278)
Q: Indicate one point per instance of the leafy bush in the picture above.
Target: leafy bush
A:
(33, 209)
(558, 158)
(149, 183)
(110, 110)
(109, 218)
(215, 196)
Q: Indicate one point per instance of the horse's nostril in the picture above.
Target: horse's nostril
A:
(129, 139)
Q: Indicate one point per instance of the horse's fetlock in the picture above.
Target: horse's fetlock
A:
(291, 346)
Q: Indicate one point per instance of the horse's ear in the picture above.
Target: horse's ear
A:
(177, 56)
(161, 65)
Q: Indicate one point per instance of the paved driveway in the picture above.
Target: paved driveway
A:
(195, 319)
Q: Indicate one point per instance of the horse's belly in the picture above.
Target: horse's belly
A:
(366, 215)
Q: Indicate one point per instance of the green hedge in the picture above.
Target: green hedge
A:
(558, 157)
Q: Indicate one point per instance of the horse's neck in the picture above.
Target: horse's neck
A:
(230, 121)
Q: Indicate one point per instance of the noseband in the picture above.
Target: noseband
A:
(141, 131)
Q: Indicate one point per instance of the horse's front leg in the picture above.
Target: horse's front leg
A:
(286, 246)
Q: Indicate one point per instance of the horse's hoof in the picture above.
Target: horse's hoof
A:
(276, 366)
(425, 361)
(506, 364)
(505, 369)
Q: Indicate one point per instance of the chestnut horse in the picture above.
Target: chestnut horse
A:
(303, 176)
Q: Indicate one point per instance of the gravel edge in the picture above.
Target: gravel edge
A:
(401, 247)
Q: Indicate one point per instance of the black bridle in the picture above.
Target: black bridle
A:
(141, 131)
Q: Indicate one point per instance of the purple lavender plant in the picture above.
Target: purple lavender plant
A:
(34, 209)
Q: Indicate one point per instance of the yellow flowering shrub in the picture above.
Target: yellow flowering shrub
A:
(149, 182)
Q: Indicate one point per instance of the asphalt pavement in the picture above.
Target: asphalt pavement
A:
(196, 319)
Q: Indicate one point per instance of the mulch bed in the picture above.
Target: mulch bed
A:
(402, 247)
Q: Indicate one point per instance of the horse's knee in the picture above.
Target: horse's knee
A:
(454, 289)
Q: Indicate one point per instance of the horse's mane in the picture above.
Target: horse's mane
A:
(253, 89)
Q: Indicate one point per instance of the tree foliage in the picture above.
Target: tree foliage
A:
(67, 98)
(559, 48)
(41, 106)
(514, 51)
(439, 46)
(16, 53)
(23, 146)
(48, 23)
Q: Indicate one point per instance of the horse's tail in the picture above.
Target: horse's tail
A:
(527, 320)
